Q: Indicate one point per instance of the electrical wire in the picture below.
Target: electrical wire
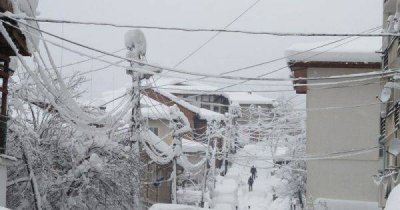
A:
(141, 70)
(48, 20)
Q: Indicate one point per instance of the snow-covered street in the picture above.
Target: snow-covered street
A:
(265, 185)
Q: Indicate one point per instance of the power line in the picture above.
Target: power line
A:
(191, 73)
(286, 66)
(281, 58)
(215, 35)
(47, 20)
(84, 60)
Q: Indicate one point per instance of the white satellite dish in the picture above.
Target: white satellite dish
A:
(386, 93)
(394, 147)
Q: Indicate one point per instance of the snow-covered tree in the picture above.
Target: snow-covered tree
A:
(60, 166)
(291, 134)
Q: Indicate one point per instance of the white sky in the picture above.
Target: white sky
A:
(228, 51)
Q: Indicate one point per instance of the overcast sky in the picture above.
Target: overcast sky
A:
(226, 52)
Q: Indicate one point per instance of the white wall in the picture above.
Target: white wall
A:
(163, 129)
(333, 130)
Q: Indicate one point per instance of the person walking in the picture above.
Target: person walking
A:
(250, 182)
(253, 172)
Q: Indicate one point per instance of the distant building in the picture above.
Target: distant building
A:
(211, 98)
(155, 110)
(341, 117)
(198, 117)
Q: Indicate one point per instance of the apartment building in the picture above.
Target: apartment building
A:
(342, 117)
(387, 176)
(211, 98)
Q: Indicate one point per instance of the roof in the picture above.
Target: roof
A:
(362, 49)
(203, 114)
(181, 86)
(248, 98)
(153, 109)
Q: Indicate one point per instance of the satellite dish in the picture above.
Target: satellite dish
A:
(136, 41)
(385, 94)
(394, 147)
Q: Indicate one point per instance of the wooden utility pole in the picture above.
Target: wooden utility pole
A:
(204, 184)
(180, 126)
(135, 42)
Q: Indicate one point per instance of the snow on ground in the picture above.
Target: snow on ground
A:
(393, 201)
(173, 207)
(261, 198)
(232, 190)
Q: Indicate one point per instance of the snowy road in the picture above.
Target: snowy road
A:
(261, 198)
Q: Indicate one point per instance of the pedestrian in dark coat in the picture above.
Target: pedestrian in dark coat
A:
(253, 172)
(250, 182)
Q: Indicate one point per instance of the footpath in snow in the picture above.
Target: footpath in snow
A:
(232, 190)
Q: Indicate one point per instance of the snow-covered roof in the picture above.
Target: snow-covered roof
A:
(180, 86)
(153, 109)
(247, 98)
(191, 146)
(204, 114)
(357, 50)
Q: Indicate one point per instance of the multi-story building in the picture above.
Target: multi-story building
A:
(390, 109)
(211, 98)
(342, 117)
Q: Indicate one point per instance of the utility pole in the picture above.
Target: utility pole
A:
(234, 114)
(180, 125)
(211, 132)
(204, 184)
(231, 138)
(135, 42)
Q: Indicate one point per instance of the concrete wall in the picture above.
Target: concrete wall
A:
(333, 130)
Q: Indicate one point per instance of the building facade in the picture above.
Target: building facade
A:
(387, 176)
(342, 116)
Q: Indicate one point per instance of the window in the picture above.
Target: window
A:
(154, 130)
(216, 108)
(205, 106)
